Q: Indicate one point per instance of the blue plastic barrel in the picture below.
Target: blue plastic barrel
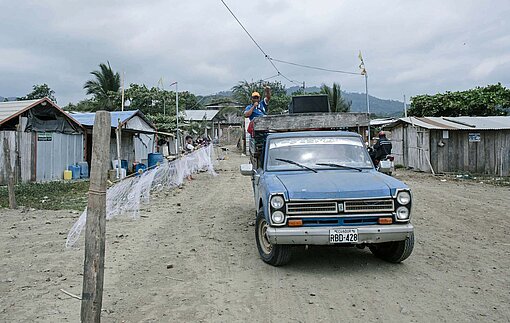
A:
(141, 167)
(75, 169)
(154, 158)
(124, 164)
(84, 169)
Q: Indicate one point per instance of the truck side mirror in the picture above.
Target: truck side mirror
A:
(246, 169)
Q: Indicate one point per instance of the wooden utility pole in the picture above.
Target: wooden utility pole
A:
(93, 267)
(10, 175)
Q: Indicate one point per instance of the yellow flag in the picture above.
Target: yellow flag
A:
(362, 64)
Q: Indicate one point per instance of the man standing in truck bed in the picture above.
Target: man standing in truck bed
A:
(258, 108)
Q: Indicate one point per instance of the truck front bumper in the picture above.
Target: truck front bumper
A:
(320, 235)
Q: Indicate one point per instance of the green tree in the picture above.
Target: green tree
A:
(166, 123)
(87, 105)
(336, 101)
(492, 100)
(40, 91)
(156, 100)
(105, 87)
(243, 90)
(279, 98)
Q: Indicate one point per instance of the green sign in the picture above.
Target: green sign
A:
(44, 136)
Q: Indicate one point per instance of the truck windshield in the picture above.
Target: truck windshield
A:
(311, 151)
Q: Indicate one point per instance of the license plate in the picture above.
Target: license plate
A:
(343, 236)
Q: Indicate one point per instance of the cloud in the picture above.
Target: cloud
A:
(410, 47)
(487, 67)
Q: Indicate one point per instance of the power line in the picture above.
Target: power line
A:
(279, 60)
(313, 67)
(249, 35)
(291, 81)
(271, 77)
(257, 44)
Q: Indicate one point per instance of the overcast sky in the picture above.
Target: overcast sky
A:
(409, 47)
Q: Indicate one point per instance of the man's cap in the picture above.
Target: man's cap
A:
(255, 94)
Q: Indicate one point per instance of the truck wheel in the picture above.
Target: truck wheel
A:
(395, 251)
(276, 255)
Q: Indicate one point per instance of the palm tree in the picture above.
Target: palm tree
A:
(336, 102)
(105, 87)
(243, 90)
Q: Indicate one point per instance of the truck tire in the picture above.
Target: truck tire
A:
(395, 251)
(276, 255)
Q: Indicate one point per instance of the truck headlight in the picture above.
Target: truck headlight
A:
(402, 213)
(277, 202)
(278, 217)
(403, 198)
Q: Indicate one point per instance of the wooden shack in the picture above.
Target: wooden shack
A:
(138, 135)
(43, 140)
(476, 145)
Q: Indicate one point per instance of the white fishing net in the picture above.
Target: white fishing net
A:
(127, 196)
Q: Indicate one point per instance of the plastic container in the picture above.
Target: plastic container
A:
(84, 169)
(122, 173)
(124, 164)
(154, 159)
(75, 169)
(140, 168)
(68, 175)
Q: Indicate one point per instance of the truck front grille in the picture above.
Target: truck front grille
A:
(294, 208)
(367, 206)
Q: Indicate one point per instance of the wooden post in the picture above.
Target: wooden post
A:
(17, 166)
(119, 140)
(93, 267)
(10, 175)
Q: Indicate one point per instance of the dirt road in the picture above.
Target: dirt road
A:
(192, 257)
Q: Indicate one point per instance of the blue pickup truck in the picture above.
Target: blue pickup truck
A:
(321, 188)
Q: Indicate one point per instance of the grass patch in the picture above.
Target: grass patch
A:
(49, 196)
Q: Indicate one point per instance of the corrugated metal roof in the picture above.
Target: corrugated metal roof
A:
(382, 122)
(87, 118)
(457, 123)
(198, 115)
(8, 109)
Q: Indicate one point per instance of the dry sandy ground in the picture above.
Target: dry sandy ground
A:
(192, 257)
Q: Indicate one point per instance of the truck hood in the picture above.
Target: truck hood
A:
(333, 184)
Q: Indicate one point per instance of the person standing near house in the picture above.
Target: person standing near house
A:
(189, 144)
(382, 147)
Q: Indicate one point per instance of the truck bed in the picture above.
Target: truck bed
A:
(356, 122)
(309, 121)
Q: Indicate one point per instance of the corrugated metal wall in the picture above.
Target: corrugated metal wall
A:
(397, 139)
(490, 155)
(26, 152)
(11, 138)
(56, 151)
(411, 147)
